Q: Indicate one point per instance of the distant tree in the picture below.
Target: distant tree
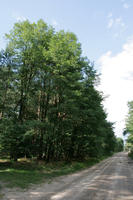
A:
(119, 145)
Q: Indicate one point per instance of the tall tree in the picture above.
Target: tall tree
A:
(49, 105)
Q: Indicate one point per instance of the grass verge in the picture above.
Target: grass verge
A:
(24, 173)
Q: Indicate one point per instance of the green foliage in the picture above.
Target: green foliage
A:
(129, 129)
(129, 120)
(49, 107)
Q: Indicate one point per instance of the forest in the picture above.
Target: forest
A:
(50, 108)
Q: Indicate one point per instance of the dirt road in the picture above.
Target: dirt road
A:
(112, 179)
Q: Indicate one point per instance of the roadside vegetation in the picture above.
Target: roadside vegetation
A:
(24, 172)
(50, 109)
(129, 130)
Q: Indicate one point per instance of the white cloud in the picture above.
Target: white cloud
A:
(117, 25)
(115, 22)
(117, 83)
(120, 27)
(126, 6)
(116, 35)
(55, 23)
(110, 15)
(119, 22)
(110, 23)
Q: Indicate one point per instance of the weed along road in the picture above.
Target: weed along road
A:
(111, 179)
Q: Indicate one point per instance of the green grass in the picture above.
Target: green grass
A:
(1, 196)
(24, 173)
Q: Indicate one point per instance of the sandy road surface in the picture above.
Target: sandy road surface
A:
(112, 179)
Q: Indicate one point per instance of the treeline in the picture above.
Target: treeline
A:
(49, 107)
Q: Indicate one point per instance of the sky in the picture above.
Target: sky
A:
(105, 30)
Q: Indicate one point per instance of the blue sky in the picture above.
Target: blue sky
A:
(105, 30)
(88, 19)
